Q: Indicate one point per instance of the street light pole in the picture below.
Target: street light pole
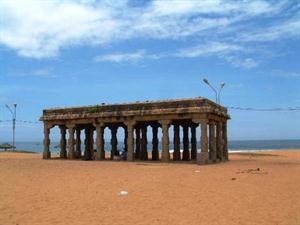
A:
(218, 93)
(14, 117)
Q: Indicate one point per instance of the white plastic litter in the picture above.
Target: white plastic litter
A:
(123, 193)
(197, 171)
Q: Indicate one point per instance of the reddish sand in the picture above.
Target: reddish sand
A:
(35, 191)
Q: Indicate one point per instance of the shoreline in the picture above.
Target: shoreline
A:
(229, 151)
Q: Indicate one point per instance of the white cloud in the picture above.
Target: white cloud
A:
(286, 29)
(41, 73)
(122, 57)
(40, 29)
(285, 74)
(216, 48)
(246, 63)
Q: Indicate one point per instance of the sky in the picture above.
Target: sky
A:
(73, 53)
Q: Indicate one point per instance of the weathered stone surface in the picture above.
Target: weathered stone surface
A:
(63, 142)
(203, 156)
(144, 143)
(212, 142)
(71, 153)
(165, 140)
(176, 154)
(155, 155)
(186, 144)
(78, 144)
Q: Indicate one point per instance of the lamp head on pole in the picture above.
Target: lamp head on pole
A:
(222, 84)
(205, 81)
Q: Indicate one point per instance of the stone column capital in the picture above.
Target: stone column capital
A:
(71, 126)
(100, 124)
(130, 123)
(165, 122)
(48, 126)
(212, 122)
(200, 121)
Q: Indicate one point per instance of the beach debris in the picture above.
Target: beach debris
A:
(233, 178)
(252, 171)
(123, 193)
(197, 171)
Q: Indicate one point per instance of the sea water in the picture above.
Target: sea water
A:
(250, 145)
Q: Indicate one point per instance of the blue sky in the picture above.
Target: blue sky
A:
(70, 53)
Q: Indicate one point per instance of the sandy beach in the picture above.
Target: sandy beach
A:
(253, 188)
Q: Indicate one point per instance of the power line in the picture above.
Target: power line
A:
(265, 109)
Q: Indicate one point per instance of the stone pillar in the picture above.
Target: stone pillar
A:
(130, 140)
(71, 153)
(78, 144)
(186, 150)
(203, 157)
(144, 142)
(225, 144)
(176, 141)
(165, 140)
(155, 155)
(87, 143)
(219, 141)
(46, 152)
(212, 141)
(125, 139)
(137, 142)
(193, 142)
(114, 142)
(92, 143)
(63, 142)
(100, 155)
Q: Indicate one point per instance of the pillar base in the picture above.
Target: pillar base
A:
(71, 155)
(130, 156)
(47, 155)
(203, 158)
(63, 154)
(99, 156)
(165, 157)
(213, 158)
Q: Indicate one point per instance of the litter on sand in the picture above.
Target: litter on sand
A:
(123, 193)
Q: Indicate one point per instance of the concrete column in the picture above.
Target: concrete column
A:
(137, 142)
(78, 144)
(165, 140)
(219, 141)
(155, 155)
(71, 153)
(225, 144)
(87, 143)
(186, 150)
(144, 142)
(130, 140)
(212, 141)
(176, 154)
(114, 142)
(193, 142)
(63, 142)
(46, 152)
(100, 154)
